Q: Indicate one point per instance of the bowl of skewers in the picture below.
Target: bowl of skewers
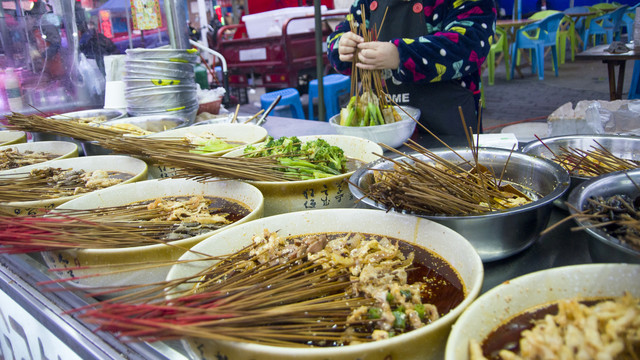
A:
(211, 139)
(25, 154)
(587, 156)
(282, 287)
(135, 126)
(366, 117)
(589, 311)
(35, 189)
(151, 222)
(86, 117)
(606, 207)
(498, 199)
(314, 170)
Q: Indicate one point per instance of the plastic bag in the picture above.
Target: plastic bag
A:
(92, 79)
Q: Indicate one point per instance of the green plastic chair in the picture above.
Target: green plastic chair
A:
(601, 8)
(565, 31)
(498, 44)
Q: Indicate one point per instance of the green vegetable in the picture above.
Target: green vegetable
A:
(379, 115)
(406, 293)
(212, 145)
(310, 160)
(401, 319)
(419, 308)
(389, 297)
(375, 313)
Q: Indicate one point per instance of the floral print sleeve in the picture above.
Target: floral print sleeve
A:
(454, 49)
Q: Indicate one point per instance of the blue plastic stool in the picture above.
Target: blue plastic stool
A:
(334, 85)
(290, 96)
(634, 89)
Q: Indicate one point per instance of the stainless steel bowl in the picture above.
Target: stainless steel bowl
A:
(161, 69)
(109, 114)
(149, 123)
(602, 246)
(626, 147)
(175, 55)
(494, 235)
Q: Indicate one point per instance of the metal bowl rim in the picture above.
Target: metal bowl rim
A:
(561, 174)
(535, 144)
(598, 234)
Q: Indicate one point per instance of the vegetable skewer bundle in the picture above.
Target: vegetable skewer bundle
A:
(367, 111)
(370, 107)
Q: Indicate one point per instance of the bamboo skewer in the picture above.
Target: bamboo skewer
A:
(299, 302)
(437, 186)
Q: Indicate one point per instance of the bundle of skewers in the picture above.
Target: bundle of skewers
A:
(295, 302)
(145, 223)
(79, 130)
(51, 183)
(424, 183)
(595, 161)
(368, 105)
(179, 153)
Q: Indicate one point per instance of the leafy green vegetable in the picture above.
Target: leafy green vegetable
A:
(375, 313)
(419, 308)
(310, 160)
(401, 319)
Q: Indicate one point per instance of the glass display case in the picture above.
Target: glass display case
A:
(41, 59)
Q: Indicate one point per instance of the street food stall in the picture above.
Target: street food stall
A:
(139, 234)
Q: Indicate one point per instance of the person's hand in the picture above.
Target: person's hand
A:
(347, 46)
(378, 55)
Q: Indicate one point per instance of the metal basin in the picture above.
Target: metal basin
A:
(626, 147)
(602, 246)
(150, 123)
(109, 114)
(495, 235)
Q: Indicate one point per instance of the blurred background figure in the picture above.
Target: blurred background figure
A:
(95, 45)
(45, 27)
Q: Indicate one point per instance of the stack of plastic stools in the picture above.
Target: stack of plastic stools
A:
(334, 85)
(290, 97)
(634, 89)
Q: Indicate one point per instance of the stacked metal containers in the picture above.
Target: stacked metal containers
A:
(161, 82)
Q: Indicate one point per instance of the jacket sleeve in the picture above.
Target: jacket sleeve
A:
(455, 47)
(341, 28)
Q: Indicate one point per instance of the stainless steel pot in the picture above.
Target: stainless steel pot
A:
(500, 234)
(602, 246)
(626, 147)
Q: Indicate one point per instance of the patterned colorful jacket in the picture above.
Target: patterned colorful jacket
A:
(456, 47)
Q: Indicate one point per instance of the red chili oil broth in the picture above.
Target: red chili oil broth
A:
(444, 288)
(507, 336)
(235, 209)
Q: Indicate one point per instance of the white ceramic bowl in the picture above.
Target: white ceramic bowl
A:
(243, 134)
(394, 134)
(127, 164)
(424, 343)
(332, 192)
(133, 257)
(8, 137)
(506, 300)
(62, 149)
